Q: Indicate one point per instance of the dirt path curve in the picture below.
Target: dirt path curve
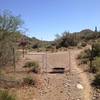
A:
(83, 76)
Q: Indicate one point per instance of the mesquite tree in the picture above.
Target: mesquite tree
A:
(9, 27)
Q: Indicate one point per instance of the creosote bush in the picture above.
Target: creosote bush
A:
(96, 49)
(33, 65)
(96, 64)
(96, 81)
(4, 95)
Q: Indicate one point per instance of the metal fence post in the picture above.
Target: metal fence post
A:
(14, 60)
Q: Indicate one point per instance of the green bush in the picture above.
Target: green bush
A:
(29, 81)
(4, 95)
(96, 64)
(91, 56)
(9, 31)
(33, 65)
(96, 49)
(96, 81)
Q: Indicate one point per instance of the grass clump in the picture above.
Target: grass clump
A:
(4, 95)
(28, 81)
(33, 65)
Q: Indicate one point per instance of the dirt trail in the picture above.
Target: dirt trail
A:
(83, 76)
(64, 86)
(56, 86)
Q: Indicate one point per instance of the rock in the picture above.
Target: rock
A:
(78, 99)
(79, 86)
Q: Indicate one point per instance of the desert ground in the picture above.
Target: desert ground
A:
(72, 84)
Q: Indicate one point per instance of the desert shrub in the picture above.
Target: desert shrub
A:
(83, 55)
(84, 61)
(96, 81)
(9, 29)
(83, 44)
(96, 64)
(4, 95)
(29, 81)
(79, 47)
(35, 46)
(65, 40)
(33, 65)
(88, 52)
(96, 49)
(91, 57)
(1, 73)
(86, 55)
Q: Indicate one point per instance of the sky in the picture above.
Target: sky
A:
(44, 19)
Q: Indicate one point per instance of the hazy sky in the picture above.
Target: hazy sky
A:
(45, 18)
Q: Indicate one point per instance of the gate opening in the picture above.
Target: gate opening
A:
(59, 70)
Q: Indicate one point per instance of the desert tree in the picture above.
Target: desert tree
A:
(10, 25)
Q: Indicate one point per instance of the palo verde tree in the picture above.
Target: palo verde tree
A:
(9, 27)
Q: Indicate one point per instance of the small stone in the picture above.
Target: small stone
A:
(79, 86)
(78, 99)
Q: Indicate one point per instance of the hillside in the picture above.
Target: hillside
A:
(85, 36)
